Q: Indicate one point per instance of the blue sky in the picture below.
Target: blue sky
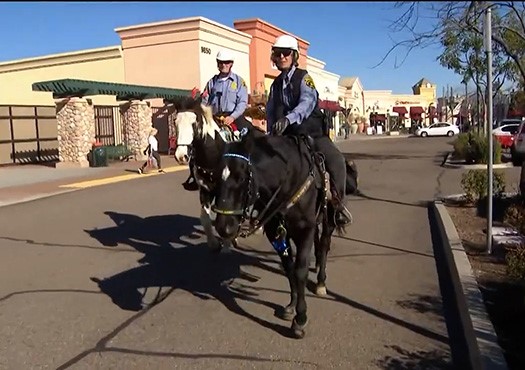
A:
(351, 37)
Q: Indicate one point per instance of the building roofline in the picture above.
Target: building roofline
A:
(181, 21)
(60, 58)
(260, 20)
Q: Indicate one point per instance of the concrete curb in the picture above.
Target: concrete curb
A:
(447, 163)
(481, 340)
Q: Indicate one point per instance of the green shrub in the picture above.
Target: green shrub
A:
(461, 146)
(475, 184)
(474, 148)
(479, 150)
(515, 216)
(515, 258)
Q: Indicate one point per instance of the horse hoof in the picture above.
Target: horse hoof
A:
(286, 313)
(320, 290)
(299, 330)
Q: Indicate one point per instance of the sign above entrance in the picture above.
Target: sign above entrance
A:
(403, 102)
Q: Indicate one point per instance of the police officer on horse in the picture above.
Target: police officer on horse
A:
(226, 93)
(292, 109)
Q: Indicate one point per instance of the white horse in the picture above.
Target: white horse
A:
(196, 127)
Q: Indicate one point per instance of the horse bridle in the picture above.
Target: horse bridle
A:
(207, 174)
(252, 195)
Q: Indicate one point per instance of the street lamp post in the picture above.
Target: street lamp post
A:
(488, 48)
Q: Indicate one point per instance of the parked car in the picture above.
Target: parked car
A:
(506, 121)
(506, 133)
(438, 129)
(517, 150)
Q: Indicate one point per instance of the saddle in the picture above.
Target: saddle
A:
(229, 133)
(321, 175)
(318, 162)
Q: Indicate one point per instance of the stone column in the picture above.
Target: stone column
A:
(136, 127)
(172, 116)
(75, 132)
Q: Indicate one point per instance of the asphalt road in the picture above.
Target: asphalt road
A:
(76, 270)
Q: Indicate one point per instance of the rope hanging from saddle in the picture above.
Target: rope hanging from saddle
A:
(228, 132)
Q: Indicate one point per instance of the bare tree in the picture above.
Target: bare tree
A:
(425, 24)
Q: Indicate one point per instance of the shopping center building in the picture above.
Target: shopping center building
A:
(177, 54)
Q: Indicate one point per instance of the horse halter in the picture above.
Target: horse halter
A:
(251, 194)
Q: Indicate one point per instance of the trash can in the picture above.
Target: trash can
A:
(99, 157)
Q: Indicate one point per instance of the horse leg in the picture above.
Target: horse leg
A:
(206, 223)
(304, 242)
(288, 312)
(324, 247)
(317, 248)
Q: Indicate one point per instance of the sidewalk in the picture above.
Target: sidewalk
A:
(29, 182)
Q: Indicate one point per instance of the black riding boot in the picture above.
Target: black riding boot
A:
(343, 216)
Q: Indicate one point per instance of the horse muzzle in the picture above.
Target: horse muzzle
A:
(227, 226)
(181, 155)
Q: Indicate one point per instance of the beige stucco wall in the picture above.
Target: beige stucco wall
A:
(170, 54)
(353, 96)
(378, 100)
(17, 77)
(330, 88)
(216, 37)
(315, 69)
(386, 100)
(325, 82)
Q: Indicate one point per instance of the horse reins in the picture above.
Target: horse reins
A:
(258, 222)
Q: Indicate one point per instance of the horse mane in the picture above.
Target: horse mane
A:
(203, 115)
(209, 126)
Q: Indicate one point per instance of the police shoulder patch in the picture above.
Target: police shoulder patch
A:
(309, 81)
(243, 84)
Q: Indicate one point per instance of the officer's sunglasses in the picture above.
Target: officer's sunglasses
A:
(224, 61)
(278, 51)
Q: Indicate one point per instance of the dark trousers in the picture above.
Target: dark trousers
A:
(334, 160)
(155, 155)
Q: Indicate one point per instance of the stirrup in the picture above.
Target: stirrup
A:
(345, 216)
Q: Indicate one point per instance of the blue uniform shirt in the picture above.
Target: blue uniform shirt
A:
(234, 96)
(307, 100)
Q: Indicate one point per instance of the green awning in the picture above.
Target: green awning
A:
(79, 88)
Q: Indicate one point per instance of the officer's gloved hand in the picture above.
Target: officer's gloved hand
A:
(281, 125)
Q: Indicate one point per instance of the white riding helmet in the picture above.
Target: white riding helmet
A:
(225, 56)
(286, 42)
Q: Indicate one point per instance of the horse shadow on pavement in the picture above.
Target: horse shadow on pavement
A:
(181, 265)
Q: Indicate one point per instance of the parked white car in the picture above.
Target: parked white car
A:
(438, 129)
